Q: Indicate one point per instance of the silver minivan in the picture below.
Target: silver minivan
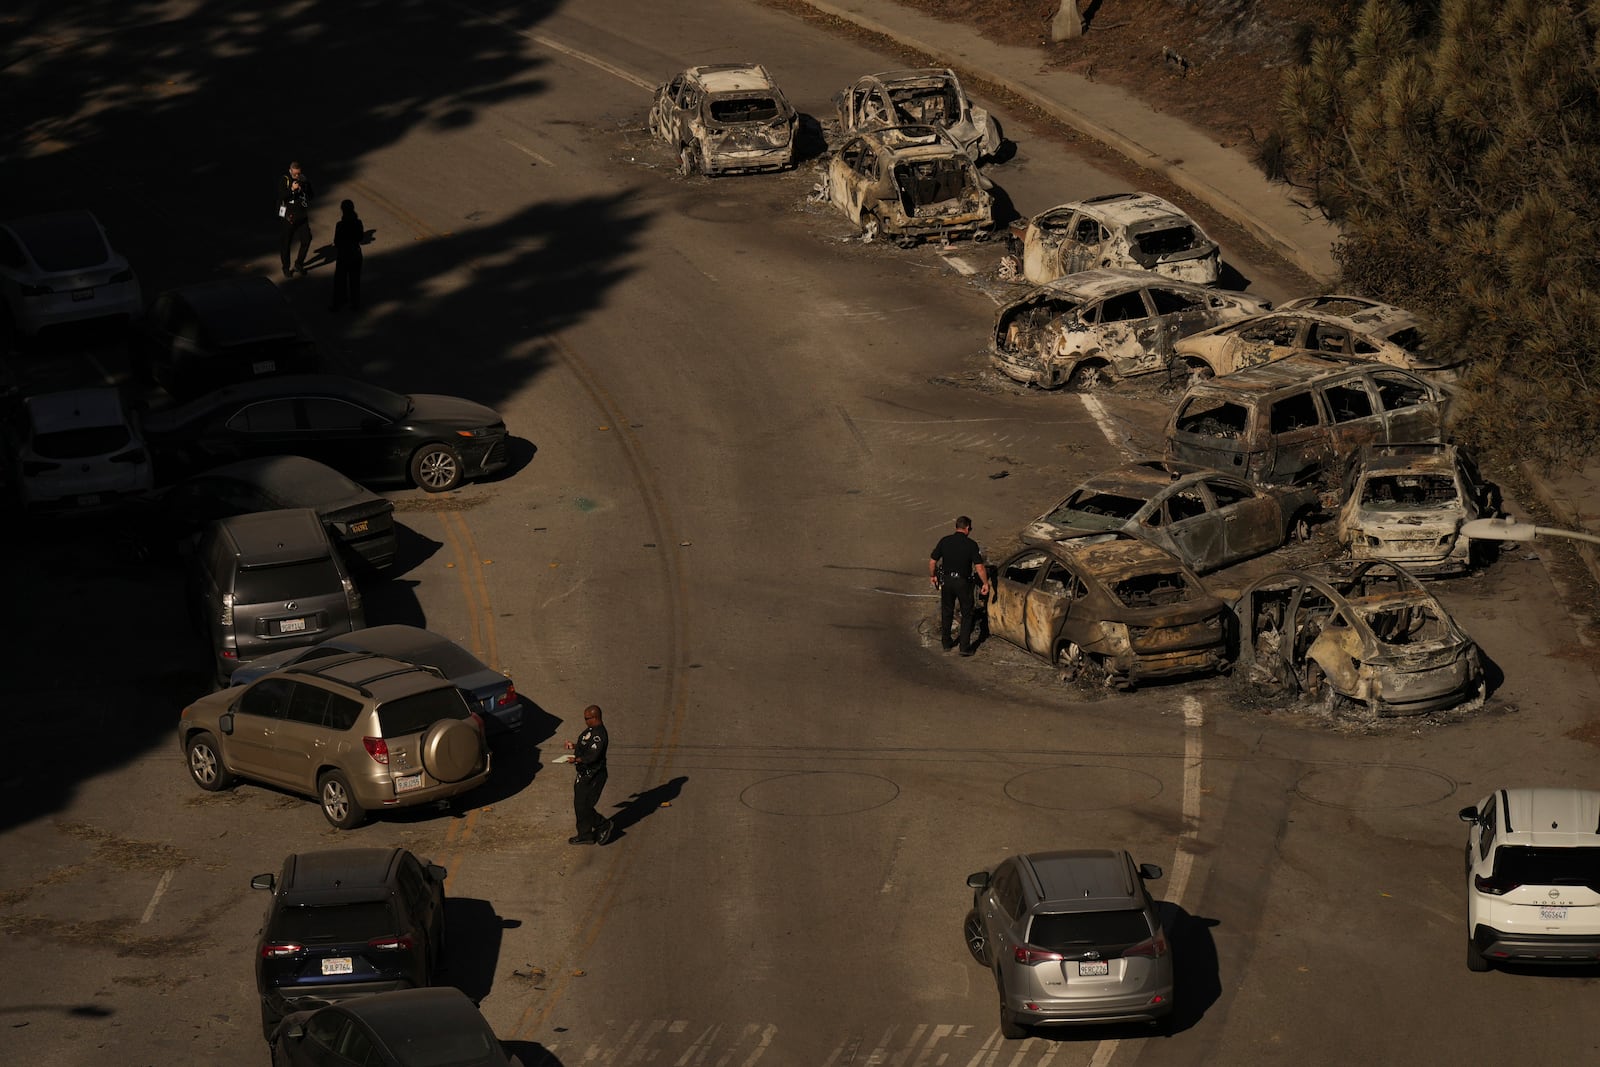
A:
(270, 581)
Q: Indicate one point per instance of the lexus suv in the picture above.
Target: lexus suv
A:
(1533, 877)
(1072, 937)
(346, 922)
(359, 732)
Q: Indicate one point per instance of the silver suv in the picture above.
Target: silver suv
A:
(1533, 877)
(359, 732)
(1072, 937)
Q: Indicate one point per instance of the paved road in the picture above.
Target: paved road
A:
(741, 432)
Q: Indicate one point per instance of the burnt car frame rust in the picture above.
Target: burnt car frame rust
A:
(1111, 606)
(1133, 231)
(1206, 518)
(1302, 418)
(923, 96)
(1406, 503)
(725, 118)
(1105, 323)
(1364, 633)
(908, 183)
(1352, 326)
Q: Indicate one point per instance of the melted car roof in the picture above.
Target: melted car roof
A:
(733, 77)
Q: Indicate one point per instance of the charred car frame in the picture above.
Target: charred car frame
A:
(1406, 503)
(725, 118)
(909, 183)
(925, 96)
(1134, 231)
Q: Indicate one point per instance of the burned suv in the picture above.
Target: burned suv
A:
(1134, 231)
(927, 96)
(725, 118)
(359, 732)
(908, 183)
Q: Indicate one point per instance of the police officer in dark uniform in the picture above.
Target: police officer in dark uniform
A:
(950, 567)
(589, 757)
(294, 217)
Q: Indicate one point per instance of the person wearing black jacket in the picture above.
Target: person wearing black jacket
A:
(347, 238)
(950, 568)
(589, 757)
(294, 217)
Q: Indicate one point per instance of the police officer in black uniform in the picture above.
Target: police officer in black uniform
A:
(589, 757)
(294, 217)
(950, 567)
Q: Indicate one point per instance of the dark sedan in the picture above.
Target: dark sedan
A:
(438, 1027)
(490, 691)
(200, 337)
(358, 521)
(373, 435)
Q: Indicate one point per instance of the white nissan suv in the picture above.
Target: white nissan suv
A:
(1533, 877)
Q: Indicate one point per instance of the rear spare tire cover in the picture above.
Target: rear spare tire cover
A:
(452, 750)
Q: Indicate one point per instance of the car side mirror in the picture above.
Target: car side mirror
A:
(1468, 815)
(1149, 871)
(225, 723)
(980, 880)
(263, 881)
(437, 873)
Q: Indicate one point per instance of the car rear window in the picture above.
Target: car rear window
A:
(1078, 930)
(747, 109)
(425, 1044)
(315, 577)
(1531, 865)
(1403, 492)
(1152, 590)
(1116, 509)
(346, 921)
(1165, 242)
(86, 441)
(413, 714)
(71, 243)
(1213, 417)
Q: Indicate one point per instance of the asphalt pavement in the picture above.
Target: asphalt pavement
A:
(1220, 176)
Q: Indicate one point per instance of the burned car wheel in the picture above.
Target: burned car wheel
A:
(871, 227)
(1316, 689)
(691, 162)
(1199, 370)
(1087, 376)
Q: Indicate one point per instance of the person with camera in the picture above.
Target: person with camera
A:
(294, 217)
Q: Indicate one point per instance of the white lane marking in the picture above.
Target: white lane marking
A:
(525, 150)
(566, 50)
(1098, 413)
(161, 887)
(961, 265)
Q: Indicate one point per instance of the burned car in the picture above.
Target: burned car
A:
(1135, 231)
(1406, 503)
(908, 183)
(1365, 633)
(1350, 326)
(724, 119)
(1106, 323)
(1204, 517)
(926, 96)
(1109, 606)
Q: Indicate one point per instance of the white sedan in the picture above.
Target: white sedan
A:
(80, 448)
(61, 268)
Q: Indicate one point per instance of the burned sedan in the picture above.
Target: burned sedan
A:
(724, 119)
(1350, 326)
(1109, 606)
(926, 96)
(1106, 323)
(1135, 231)
(1406, 503)
(908, 183)
(1365, 633)
(1206, 518)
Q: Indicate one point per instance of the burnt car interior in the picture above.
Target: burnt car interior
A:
(744, 109)
(1090, 502)
(1402, 492)
(1156, 243)
(1294, 412)
(1405, 624)
(1030, 322)
(1281, 333)
(1152, 590)
(928, 106)
(1213, 417)
(929, 183)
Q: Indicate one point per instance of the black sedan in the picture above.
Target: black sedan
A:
(437, 1026)
(358, 521)
(369, 433)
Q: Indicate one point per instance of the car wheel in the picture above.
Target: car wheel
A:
(436, 468)
(1317, 690)
(1476, 962)
(977, 944)
(1086, 377)
(205, 763)
(1300, 528)
(1199, 370)
(1010, 1028)
(691, 162)
(871, 228)
(339, 805)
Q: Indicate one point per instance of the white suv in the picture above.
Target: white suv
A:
(1533, 877)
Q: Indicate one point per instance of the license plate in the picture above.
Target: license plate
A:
(83, 294)
(264, 366)
(89, 501)
(291, 626)
(358, 527)
(337, 965)
(1548, 914)
(410, 781)
(1090, 968)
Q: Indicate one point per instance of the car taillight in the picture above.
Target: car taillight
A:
(122, 276)
(377, 748)
(133, 455)
(36, 290)
(508, 697)
(274, 949)
(1155, 948)
(1494, 886)
(227, 609)
(1029, 954)
(391, 944)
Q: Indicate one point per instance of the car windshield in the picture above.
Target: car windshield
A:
(1416, 623)
(313, 577)
(1077, 930)
(413, 714)
(82, 442)
(1095, 510)
(1533, 865)
(64, 242)
(1410, 492)
(346, 921)
(1152, 590)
